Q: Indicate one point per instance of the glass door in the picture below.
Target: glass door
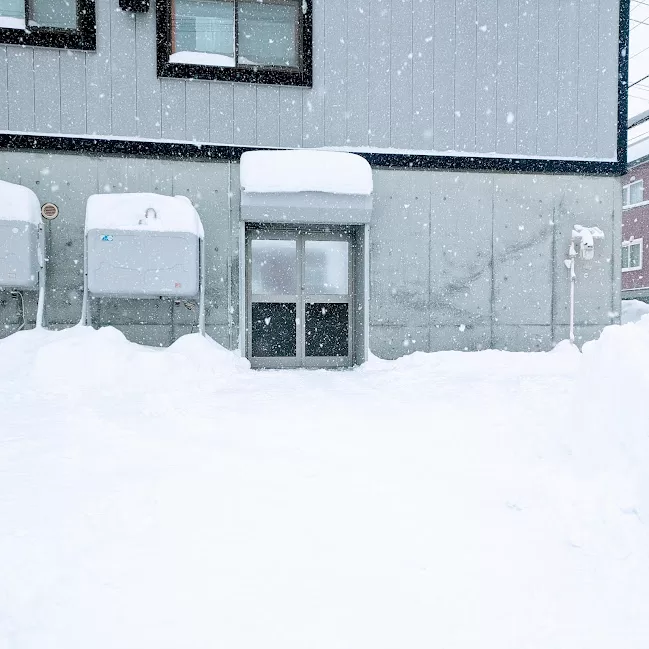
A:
(300, 294)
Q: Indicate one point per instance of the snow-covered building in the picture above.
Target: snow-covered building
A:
(635, 224)
(483, 131)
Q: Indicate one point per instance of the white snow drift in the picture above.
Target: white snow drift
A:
(175, 498)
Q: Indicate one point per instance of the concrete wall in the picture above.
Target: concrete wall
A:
(635, 223)
(457, 260)
(516, 77)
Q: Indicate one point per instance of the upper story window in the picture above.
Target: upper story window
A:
(633, 193)
(258, 41)
(48, 23)
(632, 255)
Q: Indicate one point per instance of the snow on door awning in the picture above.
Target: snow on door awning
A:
(305, 186)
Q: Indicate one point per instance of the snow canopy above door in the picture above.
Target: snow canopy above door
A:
(305, 186)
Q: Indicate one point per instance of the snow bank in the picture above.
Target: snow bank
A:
(305, 170)
(18, 203)
(81, 361)
(174, 498)
(128, 212)
(633, 310)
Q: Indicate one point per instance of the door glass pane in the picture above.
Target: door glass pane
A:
(326, 268)
(54, 13)
(13, 9)
(205, 26)
(273, 329)
(267, 33)
(274, 267)
(326, 329)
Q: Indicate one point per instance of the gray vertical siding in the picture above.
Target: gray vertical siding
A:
(515, 77)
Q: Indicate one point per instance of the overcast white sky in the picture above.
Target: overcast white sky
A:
(639, 66)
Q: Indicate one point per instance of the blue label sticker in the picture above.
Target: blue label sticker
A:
(106, 237)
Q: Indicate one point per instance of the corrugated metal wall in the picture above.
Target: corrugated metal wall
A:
(523, 77)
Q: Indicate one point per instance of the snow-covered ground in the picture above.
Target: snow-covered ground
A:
(176, 499)
(633, 310)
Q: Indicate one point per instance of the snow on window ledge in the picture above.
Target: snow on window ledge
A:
(7, 22)
(202, 58)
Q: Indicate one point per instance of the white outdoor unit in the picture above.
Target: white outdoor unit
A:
(22, 256)
(143, 246)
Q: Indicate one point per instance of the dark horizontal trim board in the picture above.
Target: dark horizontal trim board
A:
(224, 153)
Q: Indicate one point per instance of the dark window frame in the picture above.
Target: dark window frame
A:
(83, 37)
(302, 76)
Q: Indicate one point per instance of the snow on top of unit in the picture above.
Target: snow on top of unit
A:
(18, 203)
(305, 170)
(154, 212)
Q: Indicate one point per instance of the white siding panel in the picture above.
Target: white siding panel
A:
(20, 88)
(335, 72)
(465, 74)
(444, 76)
(507, 102)
(607, 77)
(528, 77)
(548, 77)
(358, 35)
(588, 77)
(221, 113)
(149, 106)
(486, 74)
(423, 29)
(268, 116)
(197, 105)
(401, 74)
(568, 77)
(124, 73)
(98, 78)
(379, 67)
(47, 92)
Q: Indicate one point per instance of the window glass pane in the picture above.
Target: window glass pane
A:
(13, 9)
(637, 192)
(204, 26)
(273, 329)
(625, 256)
(326, 267)
(267, 33)
(274, 267)
(326, 329)
(634, 255)
(54, 13)
(625, 195)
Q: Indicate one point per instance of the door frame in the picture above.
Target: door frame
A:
(357, 300)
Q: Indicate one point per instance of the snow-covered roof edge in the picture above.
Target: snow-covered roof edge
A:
(305, 170)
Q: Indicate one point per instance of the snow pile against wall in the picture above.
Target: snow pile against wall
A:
(175, 498)
(143, 211)
(633, 310)
(334, 172)
(18, 203)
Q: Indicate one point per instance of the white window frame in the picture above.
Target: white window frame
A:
(628, 244)
(626, 194)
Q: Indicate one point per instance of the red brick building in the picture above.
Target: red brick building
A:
(635, 230)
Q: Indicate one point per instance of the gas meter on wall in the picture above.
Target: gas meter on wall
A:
(585, 239)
